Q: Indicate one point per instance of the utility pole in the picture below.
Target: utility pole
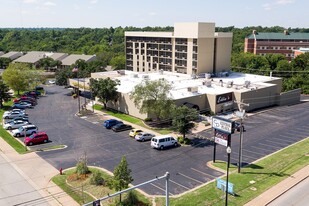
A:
(241, 115)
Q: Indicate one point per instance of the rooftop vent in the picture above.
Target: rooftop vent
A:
(254, 32)
(207, 83)
(286, 32)
(229, 84)
(121, 72)
(192, 89)
(247, 84)
(161, 71)
(207, 76)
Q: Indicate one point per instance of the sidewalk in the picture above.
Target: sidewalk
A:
(38, 173)
(279, 189)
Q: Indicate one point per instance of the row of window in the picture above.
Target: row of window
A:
(277, 47)
(287, 55)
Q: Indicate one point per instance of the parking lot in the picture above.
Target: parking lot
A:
(266, 133)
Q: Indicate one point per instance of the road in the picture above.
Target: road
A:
(297, 196)
(14, 187)
(267, 132)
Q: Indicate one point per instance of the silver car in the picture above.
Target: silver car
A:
(11, 115)
(15, 124)
(142, 136)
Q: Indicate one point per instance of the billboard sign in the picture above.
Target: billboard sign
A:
(221, 124)
(221, 138)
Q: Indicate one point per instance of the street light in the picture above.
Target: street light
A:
(75, 70)
(228, 151)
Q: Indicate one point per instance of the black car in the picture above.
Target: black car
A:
(28, 101)
(121, 127)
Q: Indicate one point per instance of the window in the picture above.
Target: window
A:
(162, 140)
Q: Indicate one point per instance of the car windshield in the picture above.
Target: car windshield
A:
(31, 136)
(20, 129)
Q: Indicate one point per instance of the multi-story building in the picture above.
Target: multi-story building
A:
(192, 48)
(300, 51)
(276, 43)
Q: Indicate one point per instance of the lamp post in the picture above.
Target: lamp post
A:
(228, 151)
(75, 70)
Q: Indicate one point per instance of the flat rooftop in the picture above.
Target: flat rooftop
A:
(228, 82)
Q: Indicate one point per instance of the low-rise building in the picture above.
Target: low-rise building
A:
(33, 57)
(206, 93)
(300, 51)
(12, 55)
(71, 59)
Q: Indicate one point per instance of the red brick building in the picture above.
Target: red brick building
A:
(276, 43)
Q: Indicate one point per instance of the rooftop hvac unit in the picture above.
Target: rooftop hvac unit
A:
(161, 71)
(121, 72)
(145, 76)
(192, 89)
(207, 76)
(229, 84)
(247, 84)
(135, 75)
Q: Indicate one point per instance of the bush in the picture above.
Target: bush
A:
(148, 119)
(97, 179)
(81, 167)
(180, 139)
(131, 199)
(187, 141)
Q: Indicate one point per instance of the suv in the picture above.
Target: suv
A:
(110, 123)
(40, 137)
(160, 142)
(25, 130)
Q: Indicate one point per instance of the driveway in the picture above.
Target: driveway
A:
(266, 133)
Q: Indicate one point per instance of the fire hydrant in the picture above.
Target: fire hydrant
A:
(60, 171)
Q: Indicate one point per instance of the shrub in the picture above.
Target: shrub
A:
(180, 139)
(81, 167)
(97, 179)
(148, 119)
(131, 199)
(187, 141)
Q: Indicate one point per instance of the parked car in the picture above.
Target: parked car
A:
(30, 94)
(134, 132)
(26, 99)
(15, 124)
(14, 110)
(110, 123)
(37, 138)
(121, 127)
(143, 136)
(25, 130)
(14, 114)
(161, 142)
(22, 104)
(25, 118)
(52, 81)
(38, 88)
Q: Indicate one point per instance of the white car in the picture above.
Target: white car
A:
(25, 130)
(15, 124)
(52, 81)
(160, 142)
(13, 114)
(142, 136)
(14, 110)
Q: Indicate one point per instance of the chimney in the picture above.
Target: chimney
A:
(286, 32)
(254, 32)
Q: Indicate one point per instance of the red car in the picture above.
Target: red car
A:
(25, 98)
(37, 138)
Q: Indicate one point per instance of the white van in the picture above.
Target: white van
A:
(160, 142)
(28, 129)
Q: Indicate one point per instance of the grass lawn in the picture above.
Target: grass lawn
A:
(131, 119)
(75, 186)
(266, 173)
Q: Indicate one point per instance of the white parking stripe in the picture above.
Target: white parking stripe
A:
(187, 188)
(159, 188)
(202, 173)
(190, 178)
(283, 140)
(277, 142)
(287, 136)
(253, 152)
(268, 150)
(249, 156)
(270, 145)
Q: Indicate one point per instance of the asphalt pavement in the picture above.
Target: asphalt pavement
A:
(266, 132)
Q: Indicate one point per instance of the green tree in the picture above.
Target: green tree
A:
(153, 97)
(273, 60)
(105, 89)
(118, 62)
(4, 62)
(16, 76)
(122, 177)
(5, 94)
(182, 118)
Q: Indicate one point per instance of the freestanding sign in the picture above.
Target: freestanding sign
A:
(221, 184)
(221, 138)
(223, 125)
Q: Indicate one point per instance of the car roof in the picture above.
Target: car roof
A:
(40, 133)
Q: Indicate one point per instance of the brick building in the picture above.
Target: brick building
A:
(276, 43)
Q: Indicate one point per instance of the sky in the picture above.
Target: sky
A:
(142, 13)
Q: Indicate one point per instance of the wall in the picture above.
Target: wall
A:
(223, 54)
(205, 55)
(290, 97)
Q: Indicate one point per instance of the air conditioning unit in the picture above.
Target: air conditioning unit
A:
(192, 89)
(247, 84)
(145, 76)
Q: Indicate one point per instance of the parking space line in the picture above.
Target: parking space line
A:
(262, 149)
(202, 173)
(285, 136)
(254, 158)
(294, 134)
(253, 152)
(270, 145)
(187, 188)
(190, 178)
(284, 144)
(284, 140)
(156, 186)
